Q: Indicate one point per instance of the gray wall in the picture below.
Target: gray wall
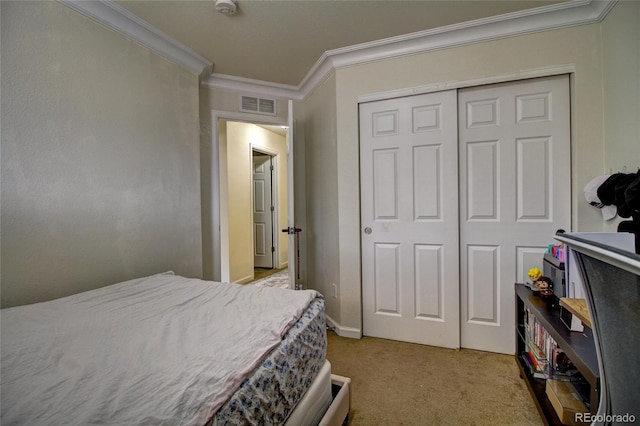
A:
(100, 157)
(321, 185)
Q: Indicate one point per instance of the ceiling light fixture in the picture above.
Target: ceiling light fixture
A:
(227, 7)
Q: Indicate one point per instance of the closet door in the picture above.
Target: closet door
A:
(514, 194)
(409, 218)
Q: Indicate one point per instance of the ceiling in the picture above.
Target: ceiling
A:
(280, 41)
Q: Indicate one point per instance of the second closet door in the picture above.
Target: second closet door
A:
(514, 194)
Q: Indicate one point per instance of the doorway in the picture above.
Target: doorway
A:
(461, 192)
(243, 242)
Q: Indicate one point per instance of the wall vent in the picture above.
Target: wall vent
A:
(258, 105)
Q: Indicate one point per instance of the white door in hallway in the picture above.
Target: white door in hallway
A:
(514, 194)
(263, 247)
(409, 219)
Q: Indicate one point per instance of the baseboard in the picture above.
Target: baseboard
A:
(244, 280)
(353, 333)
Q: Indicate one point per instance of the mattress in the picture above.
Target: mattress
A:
(161, 350)
(274, 389)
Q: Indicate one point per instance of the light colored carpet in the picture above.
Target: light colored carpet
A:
(279, 279)
(396, 383)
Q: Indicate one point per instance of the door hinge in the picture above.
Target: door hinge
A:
(273, 208)
(273, 249)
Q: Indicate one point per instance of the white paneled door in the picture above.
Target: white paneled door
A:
(262, 211)
(461, 192)
(514, 195)
(409, 173)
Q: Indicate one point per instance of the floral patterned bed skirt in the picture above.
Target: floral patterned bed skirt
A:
(269, 396)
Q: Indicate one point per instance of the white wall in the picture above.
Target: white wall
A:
(621, 64)
(100, 157)
(240, 138)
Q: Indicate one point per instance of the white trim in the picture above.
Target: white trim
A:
(319, 73)
(353, 333)
(460, 84)
(253, 87)
(117, 18)
(248, 117)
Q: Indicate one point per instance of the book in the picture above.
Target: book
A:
(533, 370)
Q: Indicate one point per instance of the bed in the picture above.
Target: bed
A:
(167, 350)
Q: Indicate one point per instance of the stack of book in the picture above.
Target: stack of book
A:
(543, 356)
(537, 362)
(540, 346)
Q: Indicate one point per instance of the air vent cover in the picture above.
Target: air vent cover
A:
(258, 105)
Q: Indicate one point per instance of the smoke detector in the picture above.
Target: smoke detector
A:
(227, 7)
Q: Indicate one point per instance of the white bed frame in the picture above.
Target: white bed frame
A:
(319, 406)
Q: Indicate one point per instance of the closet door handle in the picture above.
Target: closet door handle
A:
(368, 230)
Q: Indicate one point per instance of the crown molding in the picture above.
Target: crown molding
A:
(117, 18)
(247, 85)
(562, 15)
(546, 18)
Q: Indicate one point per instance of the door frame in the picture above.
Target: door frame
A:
(216, 234)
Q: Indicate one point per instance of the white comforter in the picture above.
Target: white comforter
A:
(157, 350)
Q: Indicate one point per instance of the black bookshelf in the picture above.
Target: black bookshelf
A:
(578, 346)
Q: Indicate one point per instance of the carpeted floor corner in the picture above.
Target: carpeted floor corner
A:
(397, 383)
